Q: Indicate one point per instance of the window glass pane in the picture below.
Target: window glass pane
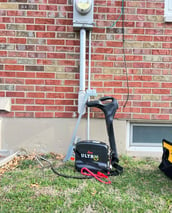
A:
(151, 134)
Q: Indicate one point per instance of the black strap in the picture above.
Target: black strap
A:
(118, 170)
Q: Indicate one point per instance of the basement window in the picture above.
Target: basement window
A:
(168, 11)
(145, 136)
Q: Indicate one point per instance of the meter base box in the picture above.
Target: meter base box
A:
(83, 19)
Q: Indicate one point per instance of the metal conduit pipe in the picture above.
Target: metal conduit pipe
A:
(89, 81)
(82, 68)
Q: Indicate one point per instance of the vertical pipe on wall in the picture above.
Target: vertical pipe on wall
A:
(82, 68)
(89, 81)
(82, 58)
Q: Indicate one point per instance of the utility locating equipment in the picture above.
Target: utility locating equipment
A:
(93, 155)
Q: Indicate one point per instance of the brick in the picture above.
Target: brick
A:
(23, 1)
(57, 1)
(166, 111)
(15, 13)
(8, 6)
(65, 115)
(14, 81)
(45, 88)
(25, 74)
(45, 75)
(54, 95)
(142, 78)
(160, 104)
(45, 35)
(56, 28)
(55, 108)
(17, 40)
(44, 21)
(45, 62)
(28, 7)
(36, 27)
(2, 26)
(7, 74)
(14, 67)
(67, 22)
(45, 101)
(142, 103)
(24, 20)
(34, 81)
(6, 114)
(64, 102)
(160, 52)
(2, 94)
(71, 96)
(7, 47)
(104, 50)
(160, 117)
(23, 47)
(105, 64)
(135, 84)
(34, 108)
(34, 68)
(7, 87)
(114, 44)
(120, 90)
(17, 108)
(166, 85)
(161, 91)
(15, 94)
(151, 84)
(17, 54)
(123, 115)
(24, 88)
(36, 55)
(2, 40)
(3, 53)
(166, 98)
(142, 91)
(24, 101)
(24, 114)
(150, 110)
(48, 7)
(44, 114)
(35, 95)
(142, 116)
(55, 42)
(62, 62)
(52, 82)
(112, 84)
(134, 58)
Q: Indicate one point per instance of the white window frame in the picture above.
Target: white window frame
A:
(142, 147)
(168, 11)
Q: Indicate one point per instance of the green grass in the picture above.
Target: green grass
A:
(141, 188)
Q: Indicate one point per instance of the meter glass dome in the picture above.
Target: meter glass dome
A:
(83, 6)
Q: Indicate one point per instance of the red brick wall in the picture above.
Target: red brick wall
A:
(39, 58)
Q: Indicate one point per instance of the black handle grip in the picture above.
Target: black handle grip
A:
(92, 103)
(99, 103)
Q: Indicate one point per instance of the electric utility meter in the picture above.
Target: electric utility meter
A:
(83, 13)
(83, 6)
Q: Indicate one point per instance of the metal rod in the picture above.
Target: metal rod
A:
(82, 68)
(89, 82)
(82, 58)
